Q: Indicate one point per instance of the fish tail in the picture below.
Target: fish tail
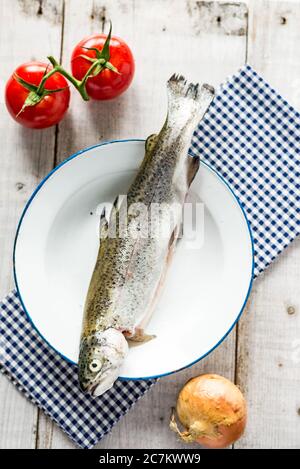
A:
(187, 102)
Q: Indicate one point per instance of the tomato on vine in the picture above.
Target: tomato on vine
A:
(34, 106)
(37, 95)
(111, 78)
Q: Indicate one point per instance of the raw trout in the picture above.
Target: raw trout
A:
(131, 268)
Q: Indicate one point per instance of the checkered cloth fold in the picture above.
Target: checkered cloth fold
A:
(251, 136)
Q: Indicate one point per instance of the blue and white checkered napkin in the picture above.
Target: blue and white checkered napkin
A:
(251, 136)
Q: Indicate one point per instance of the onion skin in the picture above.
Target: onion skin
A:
(213, 411)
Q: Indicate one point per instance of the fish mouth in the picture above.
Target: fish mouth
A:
(106, 382)
(89, 387)
(92, 389)
(101, 385)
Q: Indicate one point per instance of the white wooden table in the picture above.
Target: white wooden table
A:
(206, 41)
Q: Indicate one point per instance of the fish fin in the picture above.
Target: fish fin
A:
(116, 202)
(172, 244)
(114, 208)
(140, 336)
(173, 238)
(103, 228)
(193, 166)
(151, 142)
(188, 97)
(178, 85)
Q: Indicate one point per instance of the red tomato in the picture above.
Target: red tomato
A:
(107, 84)
(50, 110)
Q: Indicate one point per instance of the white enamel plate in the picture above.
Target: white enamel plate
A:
(56, 247)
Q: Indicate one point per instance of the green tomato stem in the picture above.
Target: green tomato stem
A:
(76, 83)
(41, 86)
(97, 63)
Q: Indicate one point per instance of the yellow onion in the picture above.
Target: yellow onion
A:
(212, 410)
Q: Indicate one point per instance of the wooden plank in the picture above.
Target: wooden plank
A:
(29, 30)
(268, 340)
(273, 45)
(269, 356)
(206, 41)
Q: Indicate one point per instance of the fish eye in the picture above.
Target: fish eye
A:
(95, 365)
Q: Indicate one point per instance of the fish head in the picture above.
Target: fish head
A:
(100, 359)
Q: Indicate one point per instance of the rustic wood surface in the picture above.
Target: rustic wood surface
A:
(207, 41)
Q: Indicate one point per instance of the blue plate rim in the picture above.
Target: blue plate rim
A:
(37, 189)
